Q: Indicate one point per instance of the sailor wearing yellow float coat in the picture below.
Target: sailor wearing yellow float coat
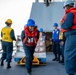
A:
(7, 35)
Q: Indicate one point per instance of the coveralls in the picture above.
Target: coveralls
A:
(62, 43)
(29, 51)
(70, 45)
(56, 45)
(7, 43)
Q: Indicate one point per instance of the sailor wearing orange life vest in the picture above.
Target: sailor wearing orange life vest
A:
(68, 25)
(29, 37)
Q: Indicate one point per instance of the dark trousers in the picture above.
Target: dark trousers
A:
(7, 51)
(62, 51)
(56, 50)
(29, 51)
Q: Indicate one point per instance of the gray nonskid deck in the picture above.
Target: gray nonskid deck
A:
(52, 68)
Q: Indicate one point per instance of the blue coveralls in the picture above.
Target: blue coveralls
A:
(8, 47)
(29, 51)
(56, 45)
(62, 48)
(70, 45)
(62, 51)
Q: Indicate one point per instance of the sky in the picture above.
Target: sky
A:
(18, 11)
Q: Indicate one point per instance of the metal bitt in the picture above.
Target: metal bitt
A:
(36, 0)
(75, 2)
(47, 2)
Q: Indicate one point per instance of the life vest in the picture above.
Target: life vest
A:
(55, 35)
(72, 10)
(6, 34)
(61, 35)
(31, 38)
